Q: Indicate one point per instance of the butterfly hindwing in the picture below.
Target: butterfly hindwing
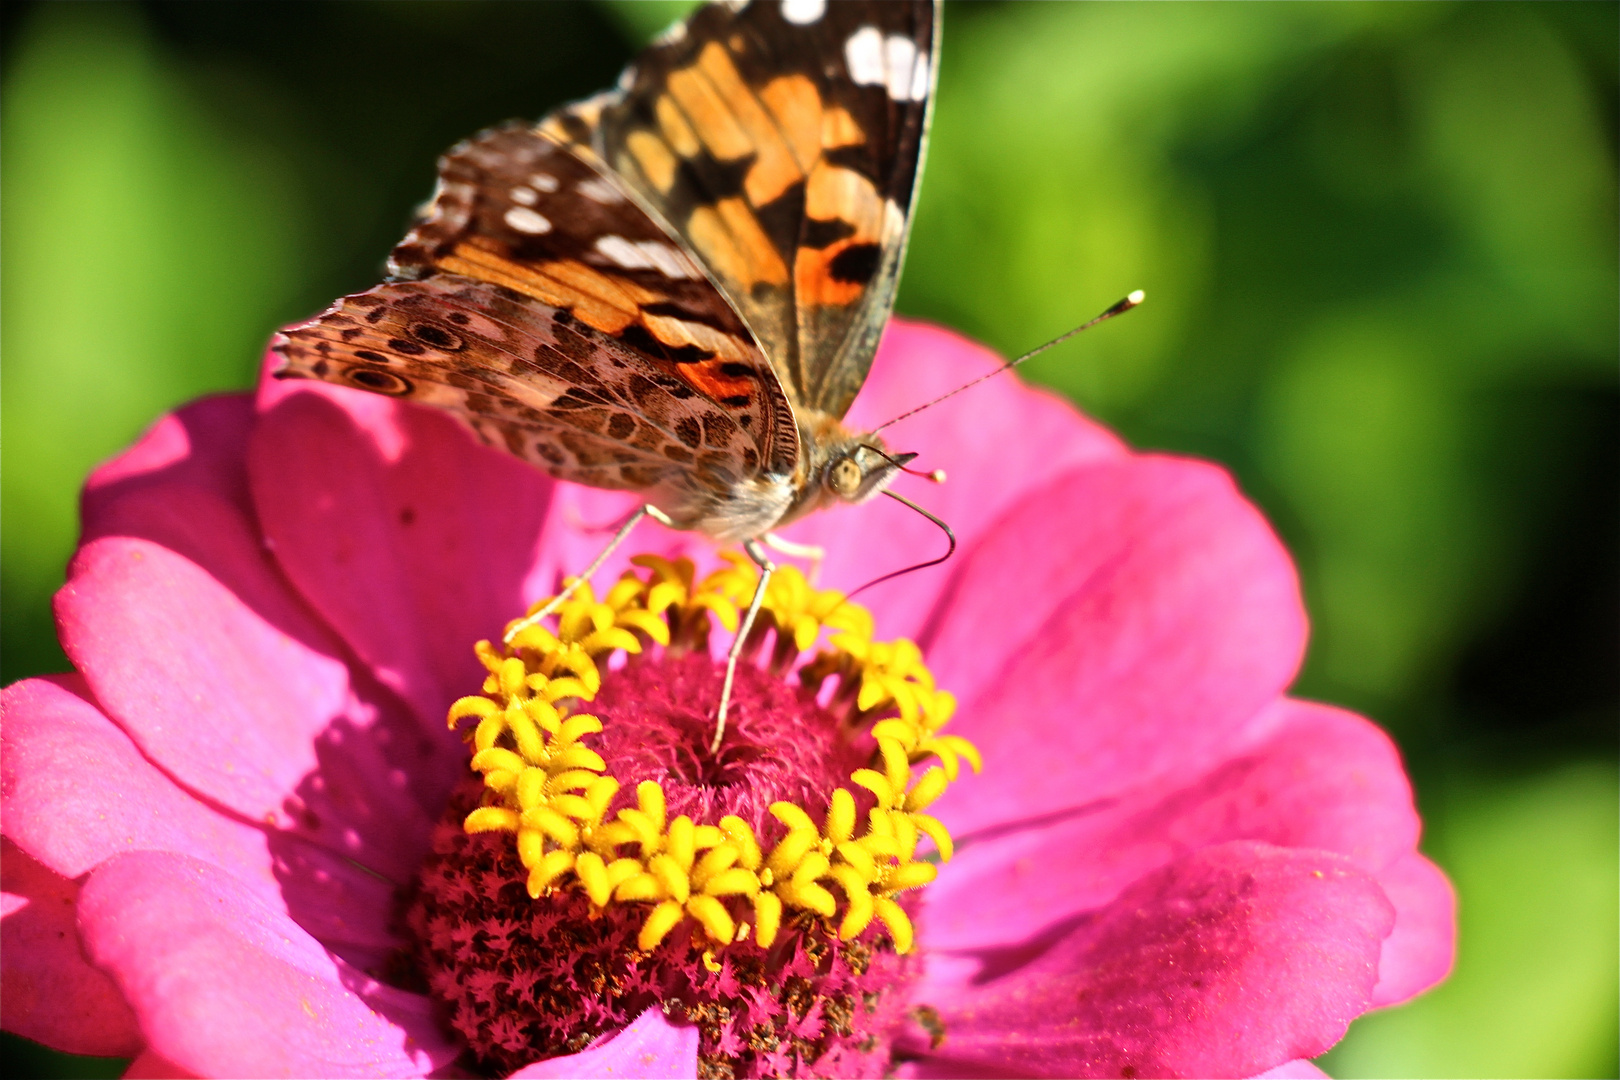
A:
(782, 142)
(532, 380)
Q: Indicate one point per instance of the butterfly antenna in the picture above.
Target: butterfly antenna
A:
(946, 529)
(1118, 309)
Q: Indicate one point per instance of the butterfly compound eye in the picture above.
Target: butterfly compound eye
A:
(844, 477)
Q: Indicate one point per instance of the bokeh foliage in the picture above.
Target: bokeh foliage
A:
(1379, 244)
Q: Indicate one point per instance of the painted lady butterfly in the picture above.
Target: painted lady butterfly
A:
(675, 287)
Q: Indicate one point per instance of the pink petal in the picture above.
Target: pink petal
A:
(414, 549)
(48, 992)
(76, 792)
(183, 487)
(997, 443)
(1126, 623)
(273, 681)
(650, 1047)
(222, 696)
(197, 453)
(226, 986)
(1322, 778)
(248, 706)
(1231, 961)
(1298, 1069)
(1421, 949)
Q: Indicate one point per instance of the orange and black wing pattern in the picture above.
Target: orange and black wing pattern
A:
(782, 142)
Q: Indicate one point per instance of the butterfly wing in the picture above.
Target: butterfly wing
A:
(782, 142)
(526, 377)
(543, 307)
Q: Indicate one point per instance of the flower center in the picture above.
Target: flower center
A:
(780, 745)
(607, 861)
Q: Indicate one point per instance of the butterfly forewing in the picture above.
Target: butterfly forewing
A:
(782, 141)
(516, 209)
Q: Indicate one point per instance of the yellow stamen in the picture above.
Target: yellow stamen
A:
(663, 919)
(551, 790)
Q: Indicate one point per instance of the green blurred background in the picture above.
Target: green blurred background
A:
(1379, 243)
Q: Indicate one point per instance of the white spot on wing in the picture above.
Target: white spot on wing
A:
(623, 252)
(523, 196)
(892, 63)
(601, 191)
(670, 263)
(647, 255)
(803, 12)
(919, 78)
(525, 220)
(900, 57)
(863, 54)
(543, 181)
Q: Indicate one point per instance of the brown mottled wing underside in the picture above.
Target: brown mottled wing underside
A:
(532, 379)
(783, 142)
(571, 285)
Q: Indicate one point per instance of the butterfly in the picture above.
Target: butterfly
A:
(675, 287)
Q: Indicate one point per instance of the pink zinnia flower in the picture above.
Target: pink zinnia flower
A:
(1167, 867)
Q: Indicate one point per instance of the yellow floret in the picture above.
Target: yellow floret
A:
(545, 785)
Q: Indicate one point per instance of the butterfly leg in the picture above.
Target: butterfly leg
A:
(648, 510)
(811, 553)
(766, 569)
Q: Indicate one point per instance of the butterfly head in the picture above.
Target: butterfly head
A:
(861, 471)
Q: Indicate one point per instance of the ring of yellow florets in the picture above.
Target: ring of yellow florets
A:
(545, 785)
